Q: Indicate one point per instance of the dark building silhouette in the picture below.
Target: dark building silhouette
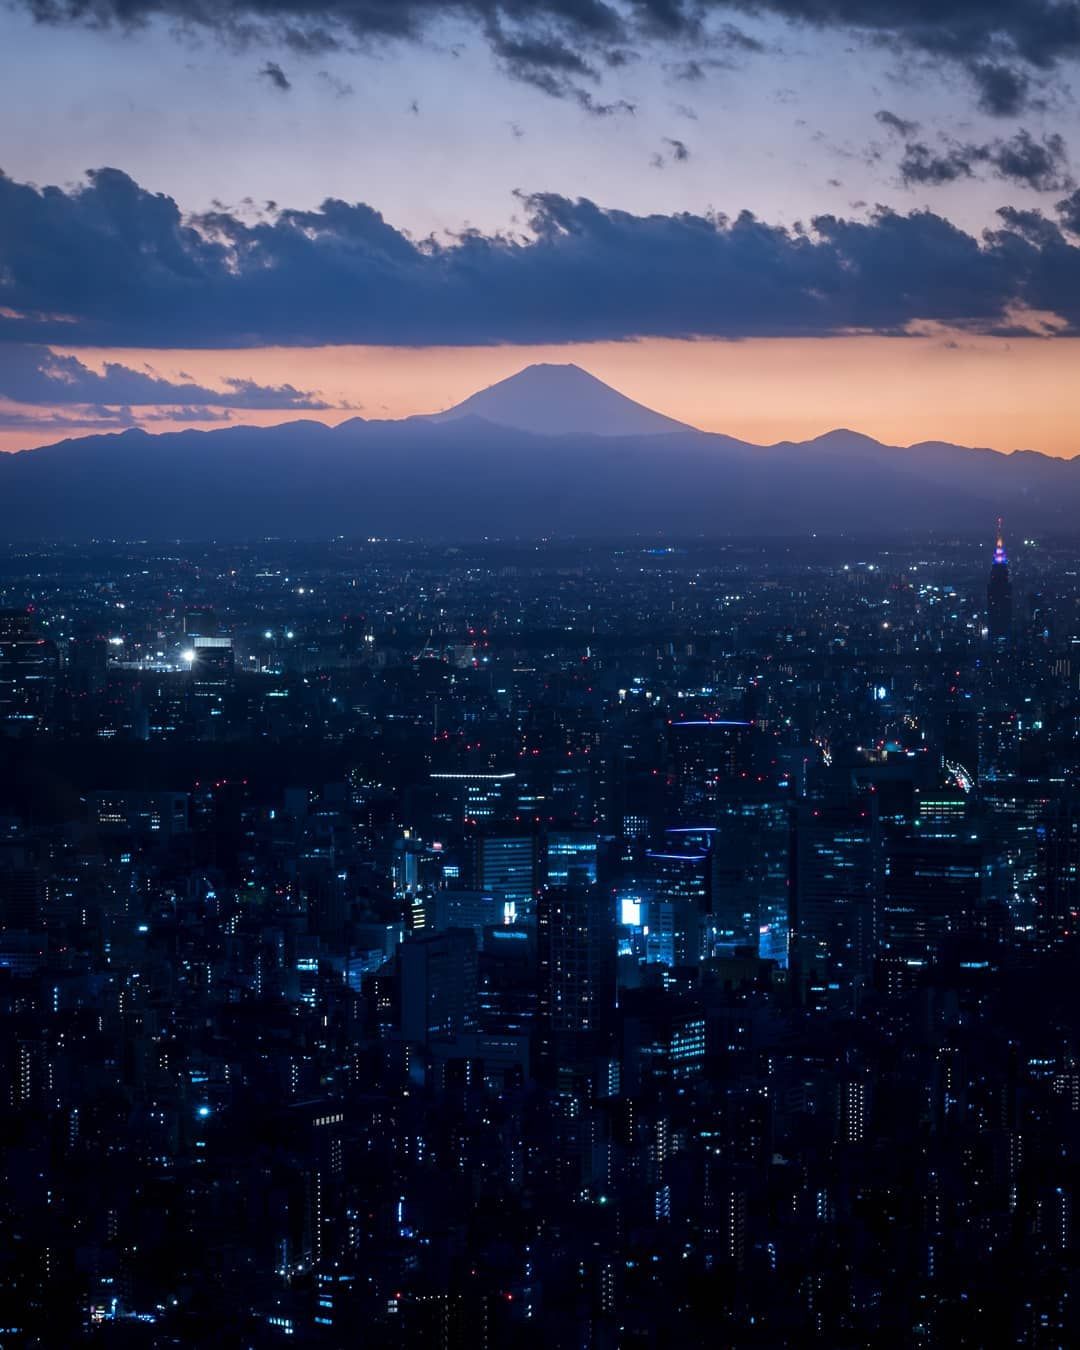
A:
(708, 755)
(835, 888)
(575, 929)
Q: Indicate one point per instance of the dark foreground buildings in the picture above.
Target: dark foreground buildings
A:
(545, 945)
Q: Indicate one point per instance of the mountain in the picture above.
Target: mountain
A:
(466, 476)
(553, 400)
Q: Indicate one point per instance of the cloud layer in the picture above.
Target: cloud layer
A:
(108, 263)
(35, 374)
(1041, 165)
(557, 44)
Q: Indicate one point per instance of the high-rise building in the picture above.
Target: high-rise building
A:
(576, 966)
(506, 867)
(471, 798)
(679, 877)
(29, 663)
(835, 879)
(438, 985)
(933, 887)
(750, 857)
(568, 850)
(999, 605)
(1058, 868)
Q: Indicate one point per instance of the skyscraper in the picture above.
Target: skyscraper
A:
(576, 950)
(999, 610)
(438, 985)
(834, 885)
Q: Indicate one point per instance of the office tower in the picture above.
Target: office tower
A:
(835, 880)
(22, 889)
(212, 665)
(465, 909)
(853, 1096)
(751, 850)
(933, 886)
(566, 850)
(679, 887)
(29, 663)
(438, 985)
(576, 968)
(663, 1039)
(999, 607)
(707, 756)
(466, 798)
(1058, 868)
(506, 867)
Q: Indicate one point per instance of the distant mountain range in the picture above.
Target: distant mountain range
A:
(552, 450)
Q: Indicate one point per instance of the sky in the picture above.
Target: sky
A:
(767, 219)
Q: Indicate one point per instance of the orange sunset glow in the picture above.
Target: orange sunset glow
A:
(1003, 393)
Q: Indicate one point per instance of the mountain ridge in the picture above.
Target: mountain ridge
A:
(466, 476)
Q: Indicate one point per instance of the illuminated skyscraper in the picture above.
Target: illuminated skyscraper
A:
(28, 670)
(999, 609)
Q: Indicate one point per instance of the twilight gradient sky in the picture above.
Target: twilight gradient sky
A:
(764, 218)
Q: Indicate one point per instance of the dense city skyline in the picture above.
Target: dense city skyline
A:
(540, 943)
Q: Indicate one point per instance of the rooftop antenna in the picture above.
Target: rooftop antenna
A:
(1000, 556)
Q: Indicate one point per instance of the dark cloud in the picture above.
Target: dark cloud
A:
(102, 419)
(900, 125)
(1002, 90)
(923, 166)
(596, 108)
(14, 420)
(1069, 210)
(276, 76)
(1032, 224)
(1040, 165)
(111, 264)
(1002, 44)
(36, 374)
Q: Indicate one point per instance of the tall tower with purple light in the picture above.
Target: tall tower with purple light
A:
(999, 612)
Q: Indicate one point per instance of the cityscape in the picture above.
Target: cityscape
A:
(560, 943)
(539, 674)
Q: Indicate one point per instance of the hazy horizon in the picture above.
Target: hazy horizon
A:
(678, 380)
